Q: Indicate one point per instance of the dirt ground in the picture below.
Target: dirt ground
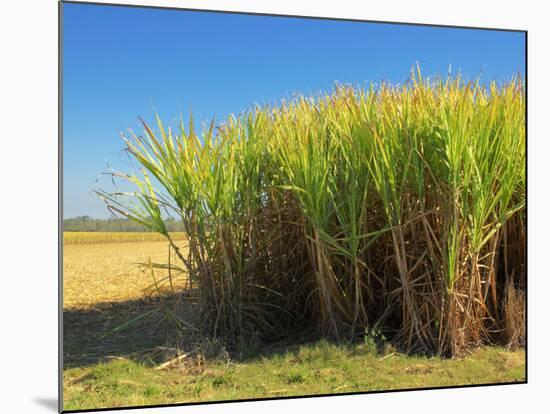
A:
(110, 272)
(104, 287)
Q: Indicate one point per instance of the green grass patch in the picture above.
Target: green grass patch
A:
(320, 368)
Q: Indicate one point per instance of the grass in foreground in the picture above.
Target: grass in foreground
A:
(320, 368)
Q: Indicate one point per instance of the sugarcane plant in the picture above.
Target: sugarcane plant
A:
(399, 208)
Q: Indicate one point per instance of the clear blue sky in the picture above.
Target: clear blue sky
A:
(120, 63)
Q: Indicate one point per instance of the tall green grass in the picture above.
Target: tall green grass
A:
(387, 209)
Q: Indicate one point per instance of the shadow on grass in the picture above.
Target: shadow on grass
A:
(90, 335)
(98, 334)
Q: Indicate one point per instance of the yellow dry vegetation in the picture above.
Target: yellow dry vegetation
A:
(89, 237)
(101, 272)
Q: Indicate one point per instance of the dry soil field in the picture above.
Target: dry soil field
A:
(105, 285)
(95, 273)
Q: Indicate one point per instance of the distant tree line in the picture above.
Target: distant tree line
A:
(86, 223)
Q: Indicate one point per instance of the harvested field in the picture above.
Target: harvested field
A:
(107, 272)
(89, 237)
(104, 287)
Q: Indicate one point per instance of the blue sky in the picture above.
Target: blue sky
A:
(120, 63)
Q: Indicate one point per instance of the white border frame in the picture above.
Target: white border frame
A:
(29, 207)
